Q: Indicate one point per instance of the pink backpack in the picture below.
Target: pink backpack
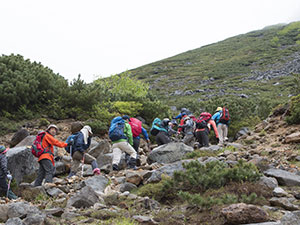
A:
(37, 149)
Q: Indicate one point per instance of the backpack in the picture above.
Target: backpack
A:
(224, 116)
(37, 149)
(203, 120)
(71, 139)
(156, 127)
(116, 130)
(136, 127)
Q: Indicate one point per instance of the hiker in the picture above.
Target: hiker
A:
(203, 127)
(4, 174)
(82, 142)
(222, 119)
(188, 130)
(122, 141)
(163, 136)
(181, 114)
(46, 160)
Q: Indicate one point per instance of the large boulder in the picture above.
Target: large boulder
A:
(21, 163)
(103, 147)
(269, 182)
(97, 183)
(293, 138)
(76, 126)
(244, 131)
(105, 162)
(291, 218)
(22, 210)
(242, 213)
(18, 137)
(85, 198)
(28, 141)
(169, 153)
(284, 177)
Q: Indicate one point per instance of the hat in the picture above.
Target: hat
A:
(3, 149)
(218, 109)
(88, 128)
(126, 117)
(52, 126)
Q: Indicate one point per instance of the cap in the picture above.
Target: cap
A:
(126, 117)
(52, 126)
(88, 128)
(218, 109)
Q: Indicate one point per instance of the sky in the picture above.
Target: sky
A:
(99, 38)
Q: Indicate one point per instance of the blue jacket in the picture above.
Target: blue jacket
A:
(216, 117)
(79, 144)
(144, 133)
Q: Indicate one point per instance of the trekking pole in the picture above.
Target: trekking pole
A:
(8, 187)
(82, 165)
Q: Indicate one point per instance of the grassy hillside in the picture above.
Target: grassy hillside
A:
(250, 73)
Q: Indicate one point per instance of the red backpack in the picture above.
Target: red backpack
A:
(37, 149)
(136, 127)
(203, 120)
(224, 116)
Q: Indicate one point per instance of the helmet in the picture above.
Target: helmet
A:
(183, 110)
(218, 109)
(165, 121)
(52, 126)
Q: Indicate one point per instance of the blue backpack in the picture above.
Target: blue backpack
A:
(156, 127)
(116, 130)
(71, 139)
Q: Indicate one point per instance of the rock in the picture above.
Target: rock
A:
(54, 212)
(3, 212)
(127, 187)
(105, 162)
(67, 215)
(279, 192)
(242, 213)
(21, 163)
(244, 131)
(284, 203)
(14, 221)
(231, 157)
(291, 218)
(145, 220)
(293, 138)
(150, 204)
(269, 182)
(85, 198)
(235, 145)
(76, 126)
(61, 168)
(21, 210)
(284, 177)
(28, 192)
(103, 147)
(34, 219)
(169, 153)
(133, 177)
(28, 141)
(266, 223)
(18, 137)
(98, 183)
(260, 162)
(212, 148)
(55, 192)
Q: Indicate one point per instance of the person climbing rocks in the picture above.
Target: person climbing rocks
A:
(203, 126)
(163, 136)
(122, 141)
(5, 175)
(46, 160)
(222, 119)
(82, 142)
(188, 130)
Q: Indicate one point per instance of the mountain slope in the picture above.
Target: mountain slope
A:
(257, 65)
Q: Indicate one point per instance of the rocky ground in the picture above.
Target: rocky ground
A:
(110, 198)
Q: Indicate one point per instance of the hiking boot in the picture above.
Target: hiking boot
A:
(96, 171)
(132, 163)
(115, 167)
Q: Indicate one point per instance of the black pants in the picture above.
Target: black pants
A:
(3, 185)
(202, 138)
(46, 171)
(162, 138)
(136, 144)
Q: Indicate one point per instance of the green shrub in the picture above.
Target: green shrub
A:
(99, 127)
(43, 122)
(294, 117)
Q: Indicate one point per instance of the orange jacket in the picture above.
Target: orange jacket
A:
(49, 140)
(213, 124)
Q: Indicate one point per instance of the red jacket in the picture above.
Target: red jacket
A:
(49, 140)
(213, 124)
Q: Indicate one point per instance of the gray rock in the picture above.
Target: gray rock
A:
(266, 223)
(85, 198)
(212, 148)
(144, 220)
(21, 163)
(127, 187)
(35, 219)
(55, 192)
(169, 153)
(284, 177)
(54, 212)
(18, 137)
(235, 145)
(3, 212)
(133, 177)
(67, 215)
(27, 141)
(61, 168)
(14, 221)
(293, 138)
(103, 147)
(105, 162)
(291, 218)
(21, 210)
(269, 182)
(279, 192)
(284, 203)
(151, 204)
(98, 183)
(244, 131)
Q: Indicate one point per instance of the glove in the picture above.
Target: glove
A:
(9, 177)
(70, 143)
